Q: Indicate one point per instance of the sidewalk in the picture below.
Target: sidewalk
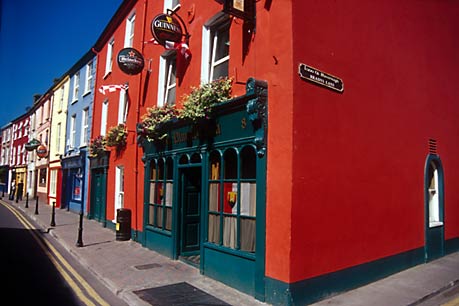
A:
(126, 266)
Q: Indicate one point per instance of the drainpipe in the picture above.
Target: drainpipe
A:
(139, 97)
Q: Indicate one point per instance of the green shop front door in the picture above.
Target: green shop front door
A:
(190, 219)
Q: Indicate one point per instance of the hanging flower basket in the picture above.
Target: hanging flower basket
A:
(97, 146)
(117, 136)
(154, 123)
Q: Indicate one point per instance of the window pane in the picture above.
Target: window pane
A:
(159, 216)
(222, 47)
(150, 214)
(248, 230)
(168, 225)
(214, 195)
(230, 159)
(229, 231)
(169, 194)
(153, 170)
(214, 165)
(214, 228)
(152, 193)
(248, 199)
(230, 200)
(248, 163)
(220, 70)
(159, 193)
(170, 169)
(160, 169)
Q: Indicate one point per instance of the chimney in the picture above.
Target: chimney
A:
(36, 97)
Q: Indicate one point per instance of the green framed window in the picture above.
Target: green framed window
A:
(161, 193)
(232, 198)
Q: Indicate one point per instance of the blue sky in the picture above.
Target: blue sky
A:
(40, 41)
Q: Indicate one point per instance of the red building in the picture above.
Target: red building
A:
(18, 157)
(331, 165)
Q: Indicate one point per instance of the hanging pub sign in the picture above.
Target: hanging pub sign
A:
(243, 9)
(32, 145)
(42, 151)
(316, 76)
(130, 61)
(166, 28)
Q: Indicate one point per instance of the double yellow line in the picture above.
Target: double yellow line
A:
(81, 288)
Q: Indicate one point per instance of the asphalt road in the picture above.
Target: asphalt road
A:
(36, 270)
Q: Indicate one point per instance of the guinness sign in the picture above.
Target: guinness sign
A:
(130, 61)
(166, 28)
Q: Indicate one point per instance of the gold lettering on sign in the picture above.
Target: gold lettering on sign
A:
(180, 137)
(243, 123)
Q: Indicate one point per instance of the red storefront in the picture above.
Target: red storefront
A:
(355, 171)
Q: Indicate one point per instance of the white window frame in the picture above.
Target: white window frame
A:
(103, 118)
(61, 99)
(119, 188)
(88, 78)
(76, 87)
(84, 127)
(123, 107)
(434, 200)
(52, 182)
(109, 59)
(72, 138)
(170, 4)
(129, 35)
(58, 136)
(209, 40)
(167, 62)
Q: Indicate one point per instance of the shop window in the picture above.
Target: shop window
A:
(232, 199)
(77, 185)
(42, 177)
(161, 193)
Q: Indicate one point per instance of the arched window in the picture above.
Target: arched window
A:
(434, 207)
(232, 198)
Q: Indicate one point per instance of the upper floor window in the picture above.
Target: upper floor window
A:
(129, 36)
(72, 131)
(103, 118)
(109, 59)
(123, 107)
(167, 79)
(215, 49)
(76, 86)
(61, 99)
(88, 78)
(170, 4)
(85, 127)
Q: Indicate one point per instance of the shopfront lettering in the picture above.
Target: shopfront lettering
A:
(182, 137)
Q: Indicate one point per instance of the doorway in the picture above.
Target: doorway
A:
(190, 215)
(98, 192)
(434, 208)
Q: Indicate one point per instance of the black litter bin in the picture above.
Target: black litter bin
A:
(123, 224)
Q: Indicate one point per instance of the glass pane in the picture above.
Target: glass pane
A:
(160, 169)
(214, 229)
(159, 216)
(229, 231)
(159, 193)
(152, 193)
(248, 230)
(222, 47)
(230, 198)
(248, 199)
(171, 96)
(150, 214)
(214, 165)
(248, 163)
(153, 170)
(220, 70)
(214, 195)
(169, 194)
(230, 159)
(170, 168)
(168, 218)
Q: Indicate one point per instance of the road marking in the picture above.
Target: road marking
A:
(59, 262)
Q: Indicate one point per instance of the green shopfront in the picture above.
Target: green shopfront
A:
(205, 189)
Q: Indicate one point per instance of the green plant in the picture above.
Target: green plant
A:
(198, 104)
(152, 125)
(97, 146)
(116, 136)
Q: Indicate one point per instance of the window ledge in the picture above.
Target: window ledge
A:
(107, 74)
(86, 93)
(435, 224)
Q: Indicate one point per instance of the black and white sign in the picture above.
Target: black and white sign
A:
(130, 61)
(314, 75)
